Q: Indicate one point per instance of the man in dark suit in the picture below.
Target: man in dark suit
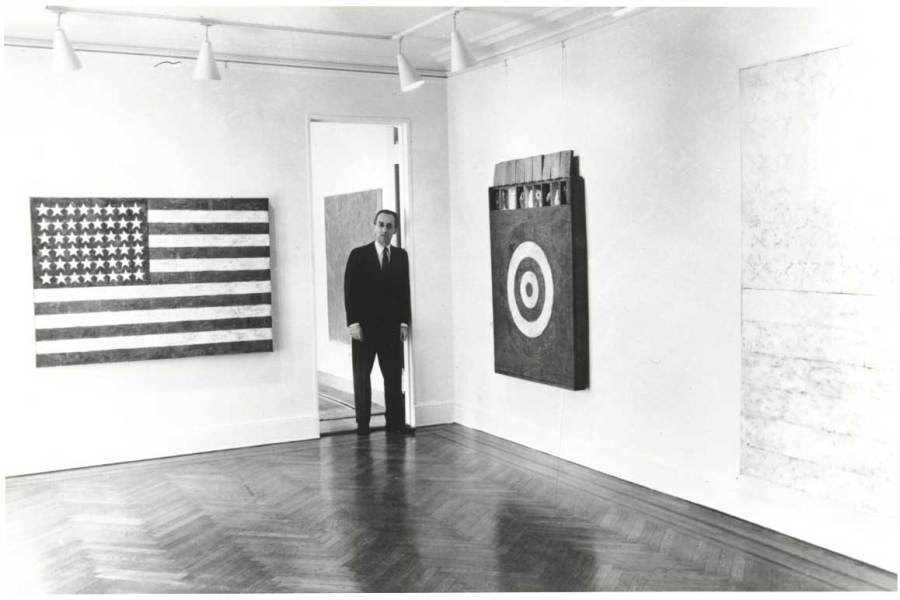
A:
(376, 298)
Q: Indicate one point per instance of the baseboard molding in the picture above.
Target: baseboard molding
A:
(434, 414)
(437, 413)
(786, 552)
(865, 537)
(135, 447)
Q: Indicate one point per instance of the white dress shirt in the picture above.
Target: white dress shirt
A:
(379, 249)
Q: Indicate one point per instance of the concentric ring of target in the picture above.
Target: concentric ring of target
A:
(528, 289)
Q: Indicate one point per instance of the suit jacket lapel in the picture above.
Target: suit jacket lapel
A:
(372, 257)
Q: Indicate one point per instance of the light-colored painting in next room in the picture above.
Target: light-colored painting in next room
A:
(348, 224)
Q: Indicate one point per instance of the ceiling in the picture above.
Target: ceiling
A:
(490, 32)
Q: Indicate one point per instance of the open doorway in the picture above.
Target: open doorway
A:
(356, 169)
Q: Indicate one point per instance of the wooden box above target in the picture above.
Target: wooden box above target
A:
(539, 270)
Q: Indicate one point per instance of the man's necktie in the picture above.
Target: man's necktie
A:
(384, 259)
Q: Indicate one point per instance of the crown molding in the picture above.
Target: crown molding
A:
(539, 20)
(580, 27)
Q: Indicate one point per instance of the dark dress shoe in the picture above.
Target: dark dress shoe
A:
(402, 429)
(362, 430)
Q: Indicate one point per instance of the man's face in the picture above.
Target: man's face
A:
(384, 228)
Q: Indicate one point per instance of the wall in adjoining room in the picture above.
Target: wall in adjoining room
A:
(345, 158)
(651, 106)
(120, 128)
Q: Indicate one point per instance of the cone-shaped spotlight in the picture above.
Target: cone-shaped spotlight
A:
(206, 68)
(460, 57)
(409, 78)
(64, 58)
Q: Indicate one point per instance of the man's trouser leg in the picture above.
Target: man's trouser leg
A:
(390, 359)
(363, 354)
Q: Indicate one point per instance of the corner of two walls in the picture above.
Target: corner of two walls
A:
(651, 106)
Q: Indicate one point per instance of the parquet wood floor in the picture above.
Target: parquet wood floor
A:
(450, 510)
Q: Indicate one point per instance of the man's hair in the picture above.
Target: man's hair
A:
(385, 211)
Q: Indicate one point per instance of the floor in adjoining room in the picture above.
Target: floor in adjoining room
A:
(337, 414)
(450, 510)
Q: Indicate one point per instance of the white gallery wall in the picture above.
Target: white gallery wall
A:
(651, 105)
(120, 127)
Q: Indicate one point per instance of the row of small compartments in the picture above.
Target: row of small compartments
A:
(529, 195)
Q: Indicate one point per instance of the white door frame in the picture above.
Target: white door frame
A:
(406, 233)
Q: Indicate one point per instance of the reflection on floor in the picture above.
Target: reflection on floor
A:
(450, 510)
(336, 413)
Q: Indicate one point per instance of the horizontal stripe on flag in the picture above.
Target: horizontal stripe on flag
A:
(80, 306)
(125, 317)
(105, 356)
(208, 264)
(153, 341)
(190, 241)
(208, 203)
(215, 252)
(208, 276)
(207, 228)
(65, 333)
(150, 291)
(207, 216)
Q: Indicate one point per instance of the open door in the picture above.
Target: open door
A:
(356, 169)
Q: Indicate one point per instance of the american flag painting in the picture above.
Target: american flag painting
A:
(119, 279)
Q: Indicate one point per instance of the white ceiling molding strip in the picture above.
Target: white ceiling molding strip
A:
(436, 17)
(576, 29)
(539, 21)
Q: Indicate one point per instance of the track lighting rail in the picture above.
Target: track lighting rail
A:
(247, 25)
(212, 22)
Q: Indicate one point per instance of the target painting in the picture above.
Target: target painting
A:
(539, 304)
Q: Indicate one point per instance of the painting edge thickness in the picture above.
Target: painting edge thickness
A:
(539, 270)
(125, 279)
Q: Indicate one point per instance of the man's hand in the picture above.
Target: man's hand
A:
(404, 332)
(356, 332)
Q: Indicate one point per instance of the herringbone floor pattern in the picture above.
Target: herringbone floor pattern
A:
(451, 510)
